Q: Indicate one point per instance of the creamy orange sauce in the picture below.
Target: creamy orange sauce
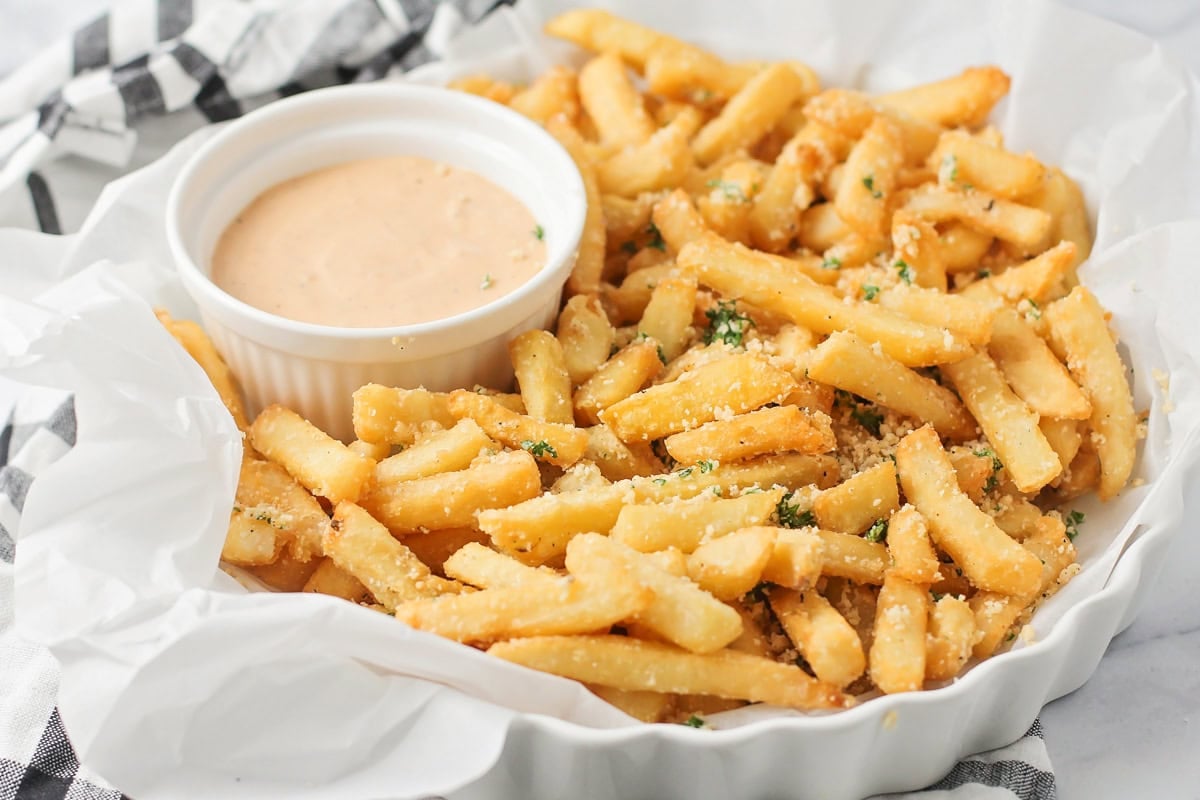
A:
(379, 242)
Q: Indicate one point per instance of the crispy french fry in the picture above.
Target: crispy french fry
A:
(660, 162)
(965, 99)
(286, 574)
(870, 178)
(322, 464)
(677, 220)
(967, 160)
(617, 460)
(992, 560)
(855, 504)
(768, 430)
(750, 113)
(687, 524)
(1063, 435)
(384, 415)
(589, 263)
(950, 638)
(328, 578)
(268, 495)
(647, 706)
(976, 470)
(739, 383)
(1037, 279)
(788, 189)
(1012, 222)
(617, 379)
(634, 665)
(452, 499)
(1031, 369)
(552, 442)
(586, 336)
(1010, 426)
(915, 247)
(440, 451)
(897, 654)
(962, 247)
(668, 315)
(482, 566)
(828, 643)
(541, 372)
(968, 318)
(539, 529)
(912, 554)
(195, 341)
(434, 547)
(1061, 198)
(849, 556)
(613, 103)
(604, 32)
(1080, 337)
(788, 470)
(797, 559)
(250, 540)
(730, 566)
(738, 272)
(554, 92)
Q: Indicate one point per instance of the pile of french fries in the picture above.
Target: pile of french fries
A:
(822, 382)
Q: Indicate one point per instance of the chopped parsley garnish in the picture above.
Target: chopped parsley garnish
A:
(693, 722)
(660, 481)
(539, 448)
(730, 190)
(906, 273)
(630, 248)
(656, 240)
(726, 325)
(1034, 311)
(686, 472)
(701, 96)
(1074, 520)
(868, 417)
(936, 596)
(948, 170)
(870, 292)
(1011, 635)
(487, 281)
(997, 465)
(983, 273)
(877, 532)
(539, 233)
(990, 205)
(831, 262)
(706, 466)
(643, 335)
(869, 182)
(790, 515)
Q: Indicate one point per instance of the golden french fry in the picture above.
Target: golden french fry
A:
(589, 262)
(858, 502)
(768, 430)
(1031, 369)
(286, 574)
(1035, 280)
(788, 189)
(328, 578)
(977, 470)
(870, 178)
(647, 706)
(322, 464)
(384, 415)
(963, 100)
(635, 665)
(668, 315)
(797, 559)
(586, 336)
(1061, 198)
(1010, 426)
(916, 251)
(950, 638)
(434, 547)
(554, 92)
(604, 32)
(962, 247)
(482, 566)
(660, 162)
(686, 524)
(268, 495)
(750, 113)
(731, 565)
(912, 554)
(376, 451)
(1022, 225)
(737, 272)
(853, 557)
(440, 451)
(621, 376)
(539, 529)
(195, 341)
(1080, 337)
(552, 442)
(613, 103)
(828, 643)
(739, 383)
(541, 371)
(991, 560)
(616, 460)
(964, 160)
(1064, 436)
(452, 499)
(897, 654)
(250, 540)
(788, 470)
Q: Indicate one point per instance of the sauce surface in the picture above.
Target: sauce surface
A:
(378, 242)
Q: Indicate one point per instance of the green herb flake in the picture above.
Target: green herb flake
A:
(729, 190)
(656, 239)
(877, 532)
(869, 418)
(686, 472)
(948, 169)
(1073, 521)
(790, 515)
(660, 481)
(983, 273)
(831, 262)
(935, 595)
(997, 465)
(539, 448)
(870, 292)
(1034, 311)
(539, 233)
(906, 273)
(487, 281)
(694, 722)
(726, 325)
(706, 466)
(869, 182)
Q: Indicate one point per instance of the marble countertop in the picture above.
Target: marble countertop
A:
(1134, 729)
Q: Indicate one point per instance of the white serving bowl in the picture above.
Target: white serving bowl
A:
(314, 369)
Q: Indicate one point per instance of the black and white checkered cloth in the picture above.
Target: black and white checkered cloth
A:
(202, 61)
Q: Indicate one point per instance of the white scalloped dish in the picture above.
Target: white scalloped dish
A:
(179, 683)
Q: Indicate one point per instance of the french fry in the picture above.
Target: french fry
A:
(962, 247)
(1036, 279)
(481, 566)
(870, 178)
(1012, 222)
(323, 465)
(739, 383)
(589, 262)
(768, 430)
(604, 32)
(1061, 198)
(847, 362)
(647, 706)
(915, 246)
(788, 470)
(965, 317)
(1018, 518)
(850, 556)
(741, 273)
(991, 560)
(617, 460)
(1081, 339)
(483, 86)
(797, 559)
(680, 611)
(554, 92)
(727, 200)
(788, 189)
(750, 113)
(268, 495)
(1010, 426)
(539, 529)
(687, 524)
(451, 499)
(660, 162)
(1031, 369)
(963, 100)
(552, 442)
(618, 378)
(586, 337)
(976, 470)
(730, 566)
(440, 451)
(435, 547)
(677, 220)
(635, 665)
(897, 655)
(1063, 435)
(376, 451)
(912, 554)
(250, 540)
(821, 229)
(612, 102)
(363, 547)
(541, 372)
(384, 415)
(669, 313)
(828, 643)
(195, 341)
(967, 160)
(328, 578)
(949, 639)
(285, 573)
(858, 502)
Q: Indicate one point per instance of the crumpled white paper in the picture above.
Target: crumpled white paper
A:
(177, 682)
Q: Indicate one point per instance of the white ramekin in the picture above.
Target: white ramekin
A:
(314, 369)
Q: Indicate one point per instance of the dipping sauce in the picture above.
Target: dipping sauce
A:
(379, 242)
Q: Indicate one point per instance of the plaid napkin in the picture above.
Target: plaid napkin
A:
(204, 61)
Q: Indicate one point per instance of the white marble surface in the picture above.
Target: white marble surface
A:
(1133, 731)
